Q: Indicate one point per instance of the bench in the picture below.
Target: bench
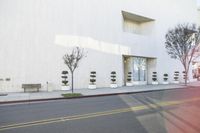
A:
(31, 87)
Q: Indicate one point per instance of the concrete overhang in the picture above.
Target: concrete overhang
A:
(135, 17)
(148, 57)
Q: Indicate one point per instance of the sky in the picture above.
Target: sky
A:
(198, 2)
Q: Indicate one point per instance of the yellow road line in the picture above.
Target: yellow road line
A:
(96, 114)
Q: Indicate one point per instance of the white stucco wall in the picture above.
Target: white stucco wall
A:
(198, 15)
(35, 34)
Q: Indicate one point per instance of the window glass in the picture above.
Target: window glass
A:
(139, 69)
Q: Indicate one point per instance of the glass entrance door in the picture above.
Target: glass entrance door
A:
(139, 70)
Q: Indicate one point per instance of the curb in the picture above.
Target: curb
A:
(86, 96)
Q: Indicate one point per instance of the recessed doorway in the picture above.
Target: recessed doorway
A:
(139, 68)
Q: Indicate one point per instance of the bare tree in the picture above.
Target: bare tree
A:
(182, 43)
(72, 61)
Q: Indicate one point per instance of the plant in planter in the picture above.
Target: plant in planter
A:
(154, 78)
(185, 78)
(176, 77)
(129, 79)
(113, 80)
(165, 78)
(65, 85)
(92, 84)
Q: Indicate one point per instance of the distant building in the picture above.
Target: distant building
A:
(118, 35)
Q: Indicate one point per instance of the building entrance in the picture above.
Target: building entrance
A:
(138, 70)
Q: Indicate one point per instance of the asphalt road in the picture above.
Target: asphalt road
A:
(171, 111)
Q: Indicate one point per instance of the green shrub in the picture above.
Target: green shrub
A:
(129, 76)
(64, 77)
(70, 95)
(165, 77)
(93, 77)
(113, 77)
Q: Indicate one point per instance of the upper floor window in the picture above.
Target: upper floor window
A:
(136, 24)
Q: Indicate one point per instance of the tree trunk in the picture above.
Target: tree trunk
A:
(187, 70)
(186, 77)
(72, 82)
(186, 74)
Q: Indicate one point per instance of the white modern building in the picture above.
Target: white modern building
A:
(199, 12)
(118, 35)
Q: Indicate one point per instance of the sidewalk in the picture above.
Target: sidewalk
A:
(13, 97)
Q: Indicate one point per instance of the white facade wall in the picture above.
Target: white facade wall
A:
(198, 15)
(35, 34)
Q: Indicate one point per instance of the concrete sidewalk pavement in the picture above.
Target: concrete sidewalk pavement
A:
(21, 96)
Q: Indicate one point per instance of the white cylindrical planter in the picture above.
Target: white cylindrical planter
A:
(113, 85)
(92, 86)
(65, 88)
(155, 83)
(165, 82)
(176, 82)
